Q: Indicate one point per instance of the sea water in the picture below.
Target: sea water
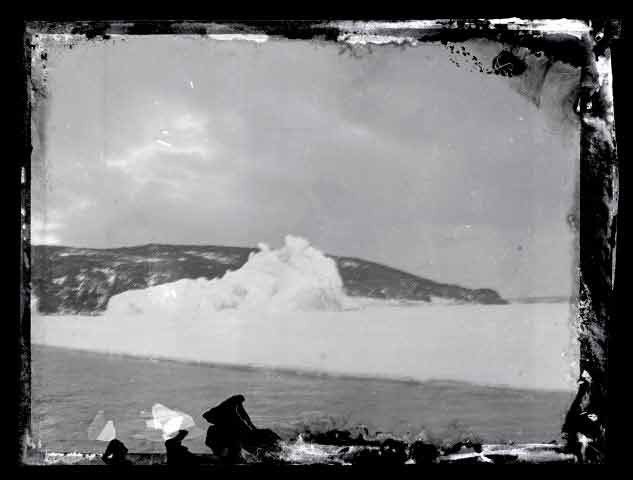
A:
(504, 372)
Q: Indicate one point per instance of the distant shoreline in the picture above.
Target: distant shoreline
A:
(552, 299)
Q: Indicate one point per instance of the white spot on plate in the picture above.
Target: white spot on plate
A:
(164, 143)
(108, 433)
(235, 36)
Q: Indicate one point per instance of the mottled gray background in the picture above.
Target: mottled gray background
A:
(396, 155)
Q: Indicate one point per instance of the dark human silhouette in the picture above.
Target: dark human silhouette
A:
(232, 430)
(177, 453)
(116, 454)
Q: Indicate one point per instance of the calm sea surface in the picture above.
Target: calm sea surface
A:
(70, 387)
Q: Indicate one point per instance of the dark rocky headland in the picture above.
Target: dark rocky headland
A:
(82, 280)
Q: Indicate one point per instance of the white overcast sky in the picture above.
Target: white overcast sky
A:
(396, 156)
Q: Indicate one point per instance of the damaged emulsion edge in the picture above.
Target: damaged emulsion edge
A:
(588, 49)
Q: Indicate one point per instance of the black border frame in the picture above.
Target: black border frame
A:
(601, 172)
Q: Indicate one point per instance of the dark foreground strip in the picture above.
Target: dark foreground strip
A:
(494, 454)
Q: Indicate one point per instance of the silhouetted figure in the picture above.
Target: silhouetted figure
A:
(116, 454)
(233, 430)
(177, 453)
(225, 443)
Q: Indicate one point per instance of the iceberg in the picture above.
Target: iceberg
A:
(295, 277)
